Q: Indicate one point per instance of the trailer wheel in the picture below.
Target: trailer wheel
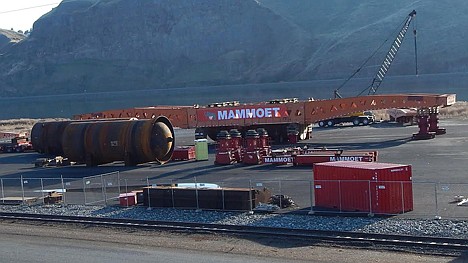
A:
(321, 124)
(330, 123)
(356, 122)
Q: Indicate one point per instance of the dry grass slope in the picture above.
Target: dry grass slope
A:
(21, 125)
(457, 111)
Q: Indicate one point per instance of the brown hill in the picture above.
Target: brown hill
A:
(8, 38)
(95, 46)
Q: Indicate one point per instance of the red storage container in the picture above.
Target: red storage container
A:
(183, 153)
(379, 188)
(128, 199)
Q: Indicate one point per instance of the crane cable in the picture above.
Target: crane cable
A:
(415, 47)
(367, 60)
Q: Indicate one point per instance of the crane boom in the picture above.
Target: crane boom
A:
(391, 54)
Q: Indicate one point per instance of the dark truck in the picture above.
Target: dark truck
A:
(358, 118)
(17, 144)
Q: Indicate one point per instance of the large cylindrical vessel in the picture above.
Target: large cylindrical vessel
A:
(131, 141)
(46, 137)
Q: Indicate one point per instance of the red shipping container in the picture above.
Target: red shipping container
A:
(379, 188)
(183, 153)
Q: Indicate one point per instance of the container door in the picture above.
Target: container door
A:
(392, 197)
(355, 196)
(327, 195)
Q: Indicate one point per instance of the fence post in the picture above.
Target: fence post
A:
(103, 190)
(148, 195)
(196, 193)
(339, 193)
(311, 198)
(126, 191)
(3, 193)
(42, 191)
(370, 198)
(84, 190)
(22, 188)
(63, 190)
(436, 201)
(402, 197)
(250, 197)
(126, 186)
(172, 193)
(281, 197)
(118, 182)
(222, 194)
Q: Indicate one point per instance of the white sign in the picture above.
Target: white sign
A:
(248, 113)
(280, 159)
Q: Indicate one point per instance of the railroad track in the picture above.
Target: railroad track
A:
(431, 245)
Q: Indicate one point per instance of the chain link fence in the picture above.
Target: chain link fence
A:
(407, 199)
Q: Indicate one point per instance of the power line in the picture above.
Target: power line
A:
(26, 8)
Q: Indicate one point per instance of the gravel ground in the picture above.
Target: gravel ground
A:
(416, 227)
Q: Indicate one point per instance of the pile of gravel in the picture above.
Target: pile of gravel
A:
(417, 227)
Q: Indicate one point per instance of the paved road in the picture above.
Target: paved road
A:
(48, 243)
(39, 249)
(441, 160)
(18, 248)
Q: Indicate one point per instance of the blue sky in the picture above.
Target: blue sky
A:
(21, 14)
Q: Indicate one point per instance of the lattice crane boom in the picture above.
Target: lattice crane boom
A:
(391, 54)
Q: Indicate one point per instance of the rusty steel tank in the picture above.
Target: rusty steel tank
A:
(46, 137)
(131, 141)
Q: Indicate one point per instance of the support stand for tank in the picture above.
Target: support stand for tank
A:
(252, 153)
(293, 134)
(236, 145)
(224, 153)
(434, 121)
(263, 142)
(423, 124)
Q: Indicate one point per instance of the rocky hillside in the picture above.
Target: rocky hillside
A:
(87, 46)
(346, 33)
(109, 45)
(8, 38)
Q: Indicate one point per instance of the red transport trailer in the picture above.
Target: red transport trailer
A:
(282, 118)
(310, 157)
